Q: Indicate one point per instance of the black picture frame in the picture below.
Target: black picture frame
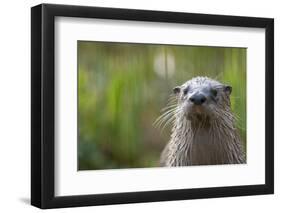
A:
(43, 102)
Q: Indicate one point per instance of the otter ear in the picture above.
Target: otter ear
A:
(228, 89)
(176, 90)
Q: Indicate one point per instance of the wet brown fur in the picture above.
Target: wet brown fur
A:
(199, 138)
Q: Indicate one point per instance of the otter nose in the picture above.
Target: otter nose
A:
(197, 99)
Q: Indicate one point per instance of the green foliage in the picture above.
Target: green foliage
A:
(122, 88)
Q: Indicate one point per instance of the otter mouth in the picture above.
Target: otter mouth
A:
(197, 112)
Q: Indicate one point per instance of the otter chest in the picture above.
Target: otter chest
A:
(204, 149)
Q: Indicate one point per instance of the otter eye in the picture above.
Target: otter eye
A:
(214, 92)
(185, 91)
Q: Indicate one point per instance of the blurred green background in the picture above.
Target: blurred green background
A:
(123, 87)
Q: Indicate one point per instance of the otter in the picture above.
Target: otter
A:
(204, 131)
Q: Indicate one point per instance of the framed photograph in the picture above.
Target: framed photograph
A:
(140, 106)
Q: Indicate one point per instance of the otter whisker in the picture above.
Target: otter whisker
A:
(169, 107)
(172, 97)
(168, 117)
(167, 122)
(162, 121)
(172, 102)
(164, 118)
(167, 112)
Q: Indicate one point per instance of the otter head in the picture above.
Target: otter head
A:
(202, 97)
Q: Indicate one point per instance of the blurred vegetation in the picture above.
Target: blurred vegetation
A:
(123, 87)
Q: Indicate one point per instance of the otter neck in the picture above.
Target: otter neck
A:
(202, 142)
